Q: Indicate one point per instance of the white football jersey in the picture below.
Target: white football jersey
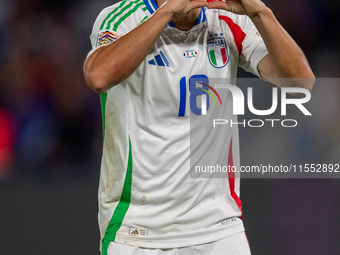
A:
(146, 195)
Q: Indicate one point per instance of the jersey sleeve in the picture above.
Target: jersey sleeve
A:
(253, 48)
(247, 40)
(115, 21)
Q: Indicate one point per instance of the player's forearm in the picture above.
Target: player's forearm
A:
(286, 56)
(109, 65)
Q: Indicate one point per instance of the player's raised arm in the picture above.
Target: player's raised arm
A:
(285, 59)
(111, 64)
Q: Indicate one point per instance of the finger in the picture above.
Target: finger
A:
(197, 4)
(217, 5)
(209, 1)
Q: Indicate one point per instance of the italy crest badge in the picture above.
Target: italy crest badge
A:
(217, 50)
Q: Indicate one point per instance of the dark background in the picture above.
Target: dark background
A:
(50, 136)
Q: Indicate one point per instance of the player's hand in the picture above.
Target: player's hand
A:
(250, 8)
(179, 7)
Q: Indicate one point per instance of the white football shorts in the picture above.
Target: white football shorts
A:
(236, 244)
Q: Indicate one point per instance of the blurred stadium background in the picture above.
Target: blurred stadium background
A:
(50, 136)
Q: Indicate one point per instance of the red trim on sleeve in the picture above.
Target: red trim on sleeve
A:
(231, 178)
(238, 34)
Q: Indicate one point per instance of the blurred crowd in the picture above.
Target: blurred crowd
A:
(50, 121)
(49, 118)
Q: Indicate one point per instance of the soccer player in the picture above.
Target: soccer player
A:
(147, 60)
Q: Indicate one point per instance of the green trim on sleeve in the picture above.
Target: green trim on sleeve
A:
(121, 12)
(143, 19)
(118, 14)
(116, 24)
(107, 17)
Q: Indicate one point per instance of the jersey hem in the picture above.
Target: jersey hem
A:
(181, 242)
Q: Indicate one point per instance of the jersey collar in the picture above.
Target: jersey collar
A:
(152, 7)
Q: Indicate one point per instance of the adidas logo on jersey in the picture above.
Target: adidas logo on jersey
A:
(160, 60)
(138, 231)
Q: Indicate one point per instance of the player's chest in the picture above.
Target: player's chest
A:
(180, 68)
(207, 51)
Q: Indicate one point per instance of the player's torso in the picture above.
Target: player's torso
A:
(166, 90)
(152, 109)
